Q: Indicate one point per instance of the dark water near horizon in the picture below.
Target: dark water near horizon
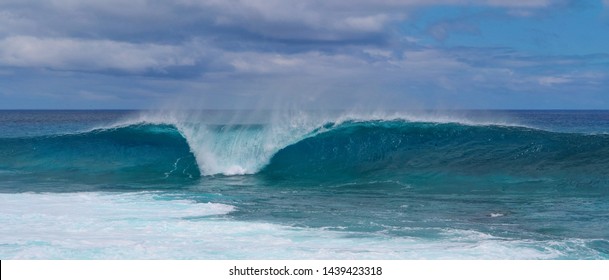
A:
(304, 185)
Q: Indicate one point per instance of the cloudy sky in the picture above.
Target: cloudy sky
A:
(455, 54)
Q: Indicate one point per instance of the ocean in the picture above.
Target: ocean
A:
(304, 185)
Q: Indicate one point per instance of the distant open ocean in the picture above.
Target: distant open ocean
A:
(304, 185)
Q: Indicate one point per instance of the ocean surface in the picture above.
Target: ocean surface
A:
(304, 185)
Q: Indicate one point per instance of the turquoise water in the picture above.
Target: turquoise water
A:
(306, 185)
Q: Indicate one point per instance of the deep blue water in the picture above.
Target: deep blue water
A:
(274, 185)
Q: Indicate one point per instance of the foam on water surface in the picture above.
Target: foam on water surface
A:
(154, 226)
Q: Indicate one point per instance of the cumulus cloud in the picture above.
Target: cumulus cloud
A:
(146, 35)
(75, 54)
(329, 20)
(257, 47)
(324, 20)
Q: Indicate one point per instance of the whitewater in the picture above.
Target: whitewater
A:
(304, 185)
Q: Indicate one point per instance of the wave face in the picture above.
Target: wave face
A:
(355, 149)
(135, 153)
(345, 150)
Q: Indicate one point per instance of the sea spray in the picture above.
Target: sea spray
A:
(235, 145)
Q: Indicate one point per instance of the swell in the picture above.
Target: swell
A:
(134, 153)
(400, 148)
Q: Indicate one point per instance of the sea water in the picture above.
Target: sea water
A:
(304, 185)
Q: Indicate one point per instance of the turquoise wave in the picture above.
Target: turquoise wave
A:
(136, 153)
(399, 147)
(377, 149)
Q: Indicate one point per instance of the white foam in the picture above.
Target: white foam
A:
(143, 226)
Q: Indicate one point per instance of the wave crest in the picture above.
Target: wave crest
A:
(161, 146)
